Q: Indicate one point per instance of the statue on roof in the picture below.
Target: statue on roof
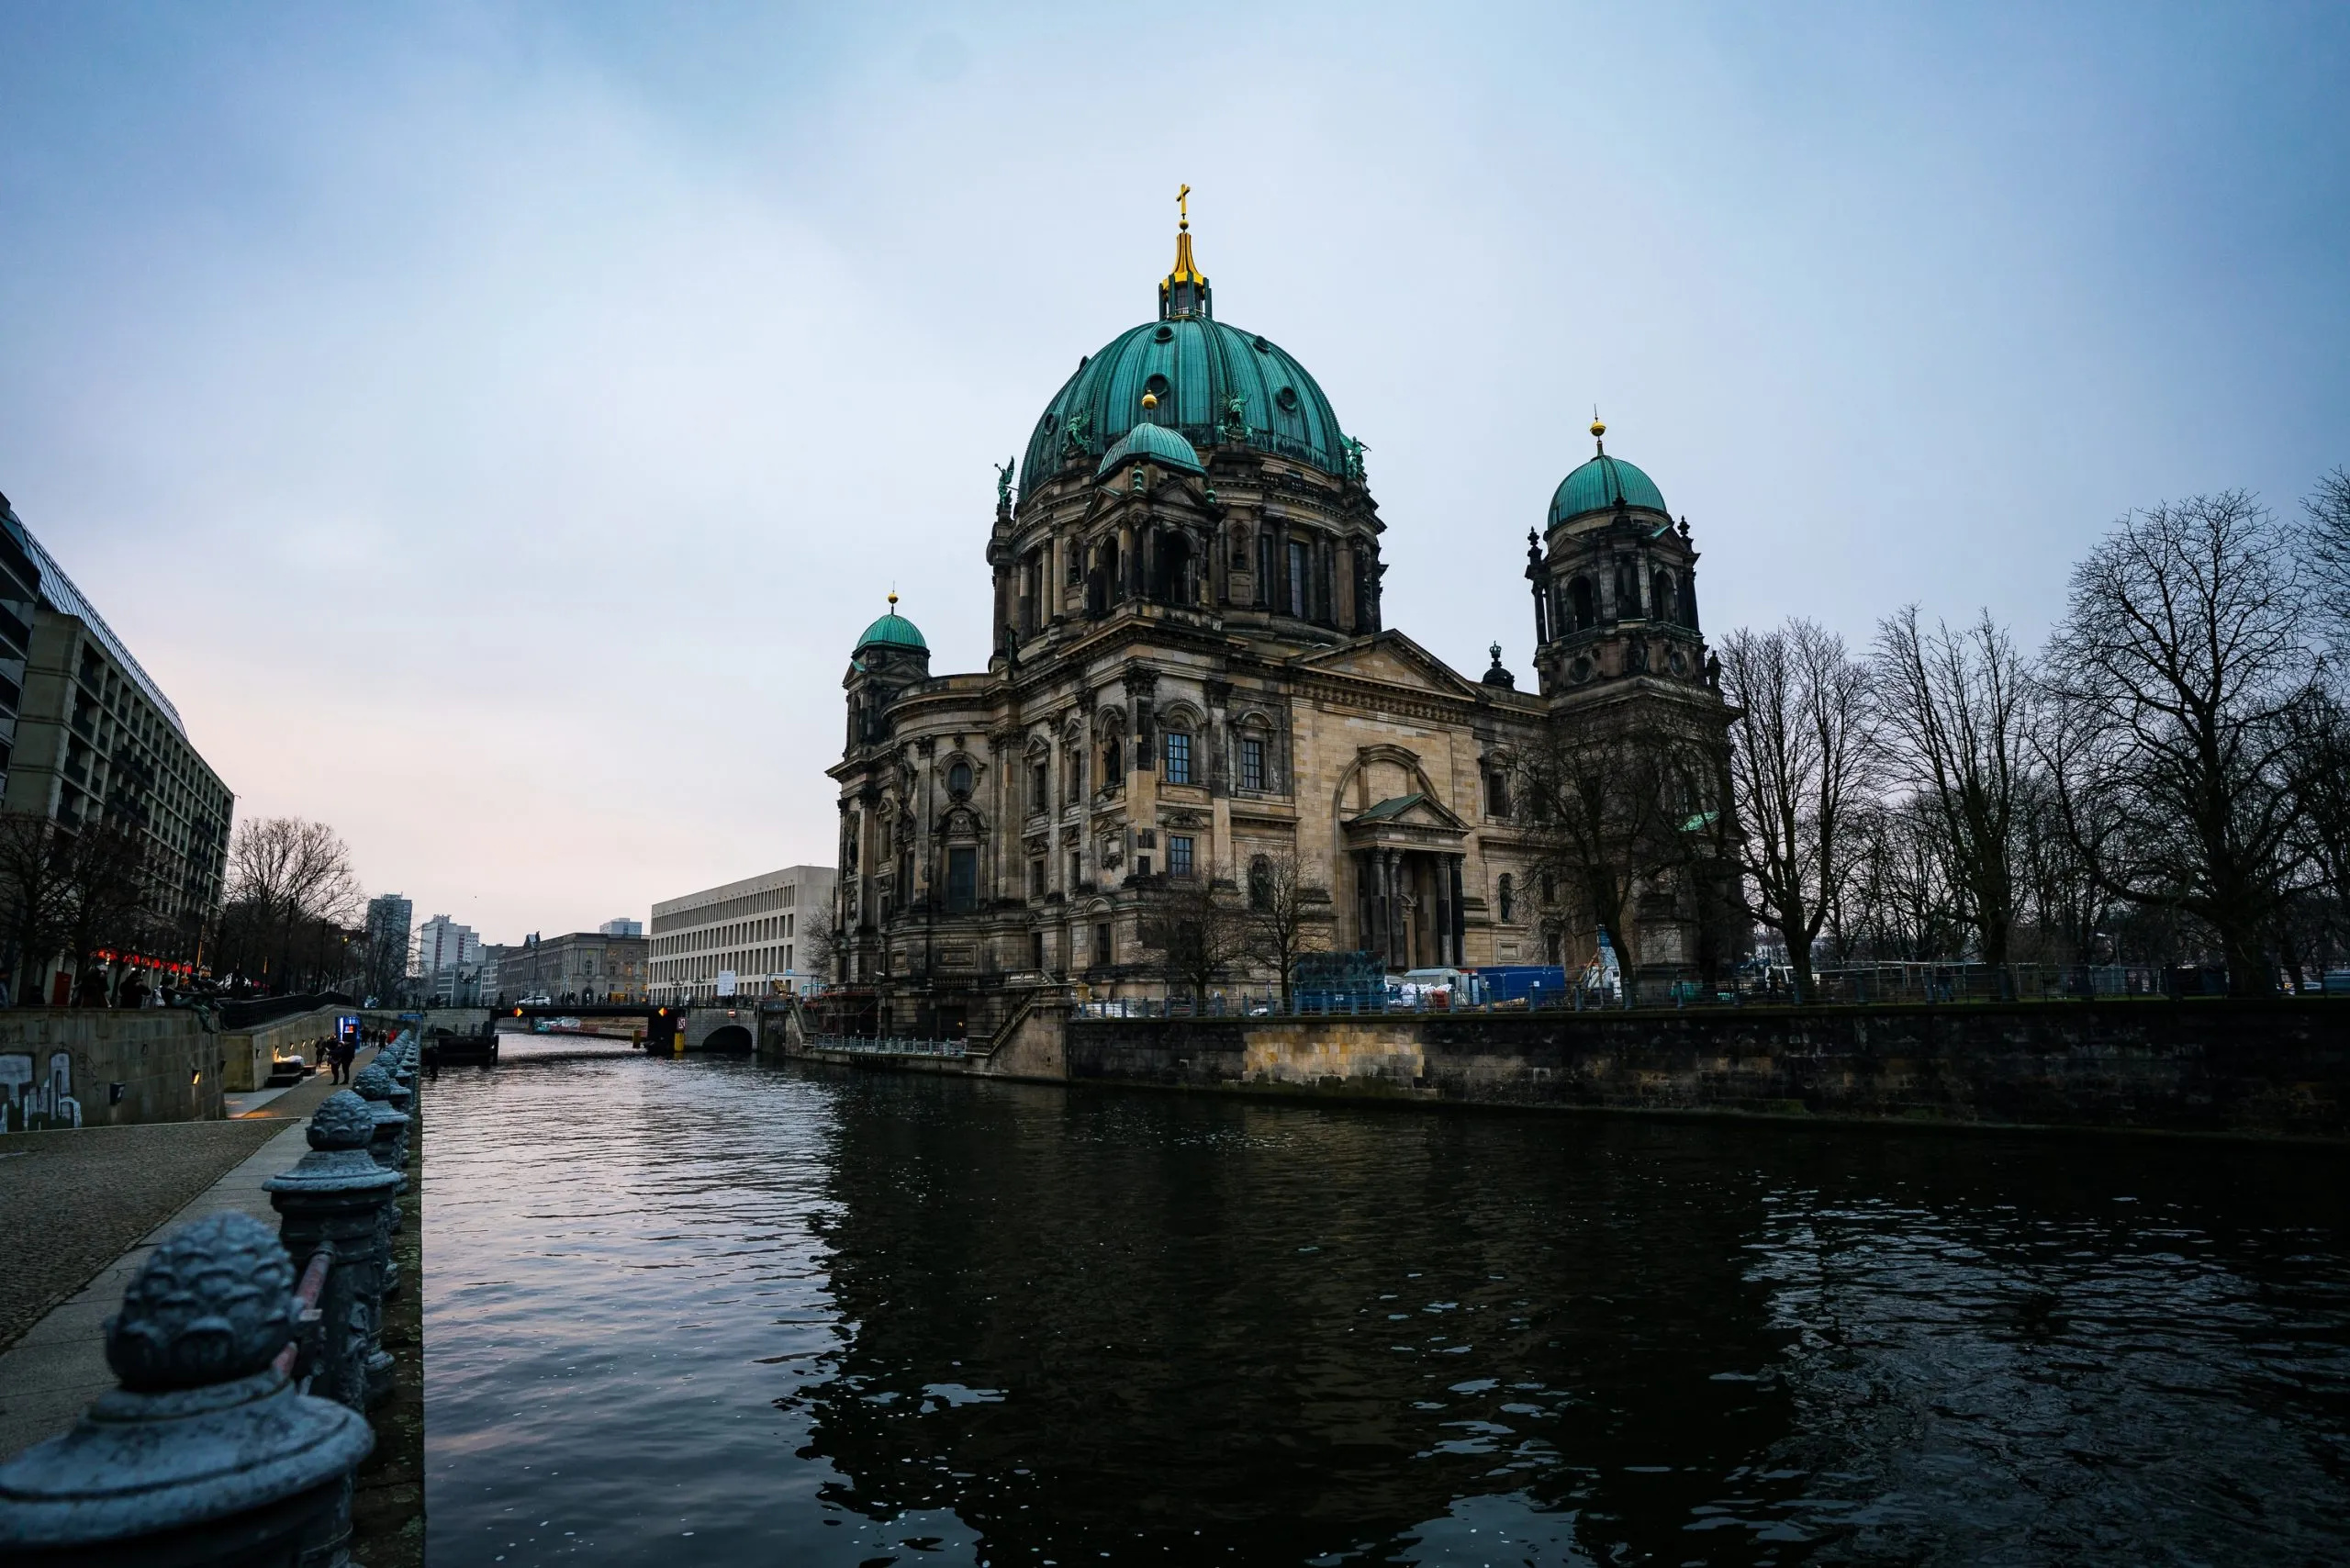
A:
(1355, 449)
(1003, 482)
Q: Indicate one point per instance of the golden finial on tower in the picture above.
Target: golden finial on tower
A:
(1597, 428)
(1184, 291)
(894, 601)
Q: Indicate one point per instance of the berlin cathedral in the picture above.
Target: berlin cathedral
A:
(1192, 678)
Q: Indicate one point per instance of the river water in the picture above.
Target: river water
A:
(710, 1311)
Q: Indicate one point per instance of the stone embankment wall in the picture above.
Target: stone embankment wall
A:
(245, 1054)
(100, 1067)
(2263, 1068)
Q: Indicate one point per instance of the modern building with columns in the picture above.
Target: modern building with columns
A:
(1192, 680)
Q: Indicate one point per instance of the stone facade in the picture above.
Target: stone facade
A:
(1192, 680)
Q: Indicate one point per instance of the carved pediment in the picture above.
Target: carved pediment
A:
(1415, 812)
(1392, 659)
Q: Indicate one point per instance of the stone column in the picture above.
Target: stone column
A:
(1460, 915)
(1218, 741)
(335, 1198)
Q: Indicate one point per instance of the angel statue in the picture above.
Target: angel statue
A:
(1355, 449)
(1003, 482)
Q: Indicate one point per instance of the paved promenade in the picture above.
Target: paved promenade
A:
(80, 1211)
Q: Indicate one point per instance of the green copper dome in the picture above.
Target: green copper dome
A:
(1598, 485)
(893, 630)
(1155, 441)
(1215, 385)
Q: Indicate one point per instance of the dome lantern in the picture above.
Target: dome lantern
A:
(893, 631)
(1184, 291)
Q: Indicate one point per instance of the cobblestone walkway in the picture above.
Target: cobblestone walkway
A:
(71, 1203)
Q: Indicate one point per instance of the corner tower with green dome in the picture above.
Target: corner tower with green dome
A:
(1191, 685)
(1615, 583)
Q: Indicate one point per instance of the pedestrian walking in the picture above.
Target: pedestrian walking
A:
(343, 1051)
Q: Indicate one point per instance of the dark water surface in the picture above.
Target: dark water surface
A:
(713, 1312)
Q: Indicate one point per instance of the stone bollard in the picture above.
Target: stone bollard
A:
(205, 1456)
(388, 1146)
(379, 1090)
(337, 1197)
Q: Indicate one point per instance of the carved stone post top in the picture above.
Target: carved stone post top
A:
(204, 1426)
(338, 1168)
(373, 1082)
(1218, 692)
(1140, 681)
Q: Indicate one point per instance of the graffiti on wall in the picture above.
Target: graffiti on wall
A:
(30, 1104)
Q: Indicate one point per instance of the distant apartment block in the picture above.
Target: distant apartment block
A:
(86, 735)
(623, 926)
(748, 934)
(449, 962)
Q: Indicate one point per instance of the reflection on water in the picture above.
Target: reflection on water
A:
(705, 1311)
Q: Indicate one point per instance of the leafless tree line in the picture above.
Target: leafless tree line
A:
(288, 921)
(2165, 783)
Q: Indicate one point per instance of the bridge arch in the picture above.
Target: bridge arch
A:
(728, 1039)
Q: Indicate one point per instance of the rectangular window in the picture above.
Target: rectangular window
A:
(1102, 944)
(1036, 878)
(962, 880)
(1076, 869)
(1252, 763)
(1297, 579)
(1040, 786)
(1179, 855)
(1179, 758)
(1036, 950)
(1142, 865)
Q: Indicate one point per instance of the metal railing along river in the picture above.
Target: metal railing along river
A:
(887, 1046)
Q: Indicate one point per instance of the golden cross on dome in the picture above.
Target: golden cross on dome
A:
(1183, 206)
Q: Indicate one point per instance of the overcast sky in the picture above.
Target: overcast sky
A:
(492, 425)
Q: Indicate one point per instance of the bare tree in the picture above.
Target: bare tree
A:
(1802, 768)
(2326, 526)
(1956, 716)
(108, 898)
(819, 939)
(2177, 669)
(33, 897)
(1619, 809)
(1196, 930)
(1280, 914)
(292, 899)
(2320, 770)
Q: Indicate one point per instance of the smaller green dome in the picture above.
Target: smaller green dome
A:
(1598, 485)
(893, 630)
(1155, 441)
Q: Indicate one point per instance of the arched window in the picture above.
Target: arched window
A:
(1582, 615)
(1114, 766)
(1252, 759)
(1179, 755)
(1508, 891)
(1661, 596)
(958, 777)
(1498, 793)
